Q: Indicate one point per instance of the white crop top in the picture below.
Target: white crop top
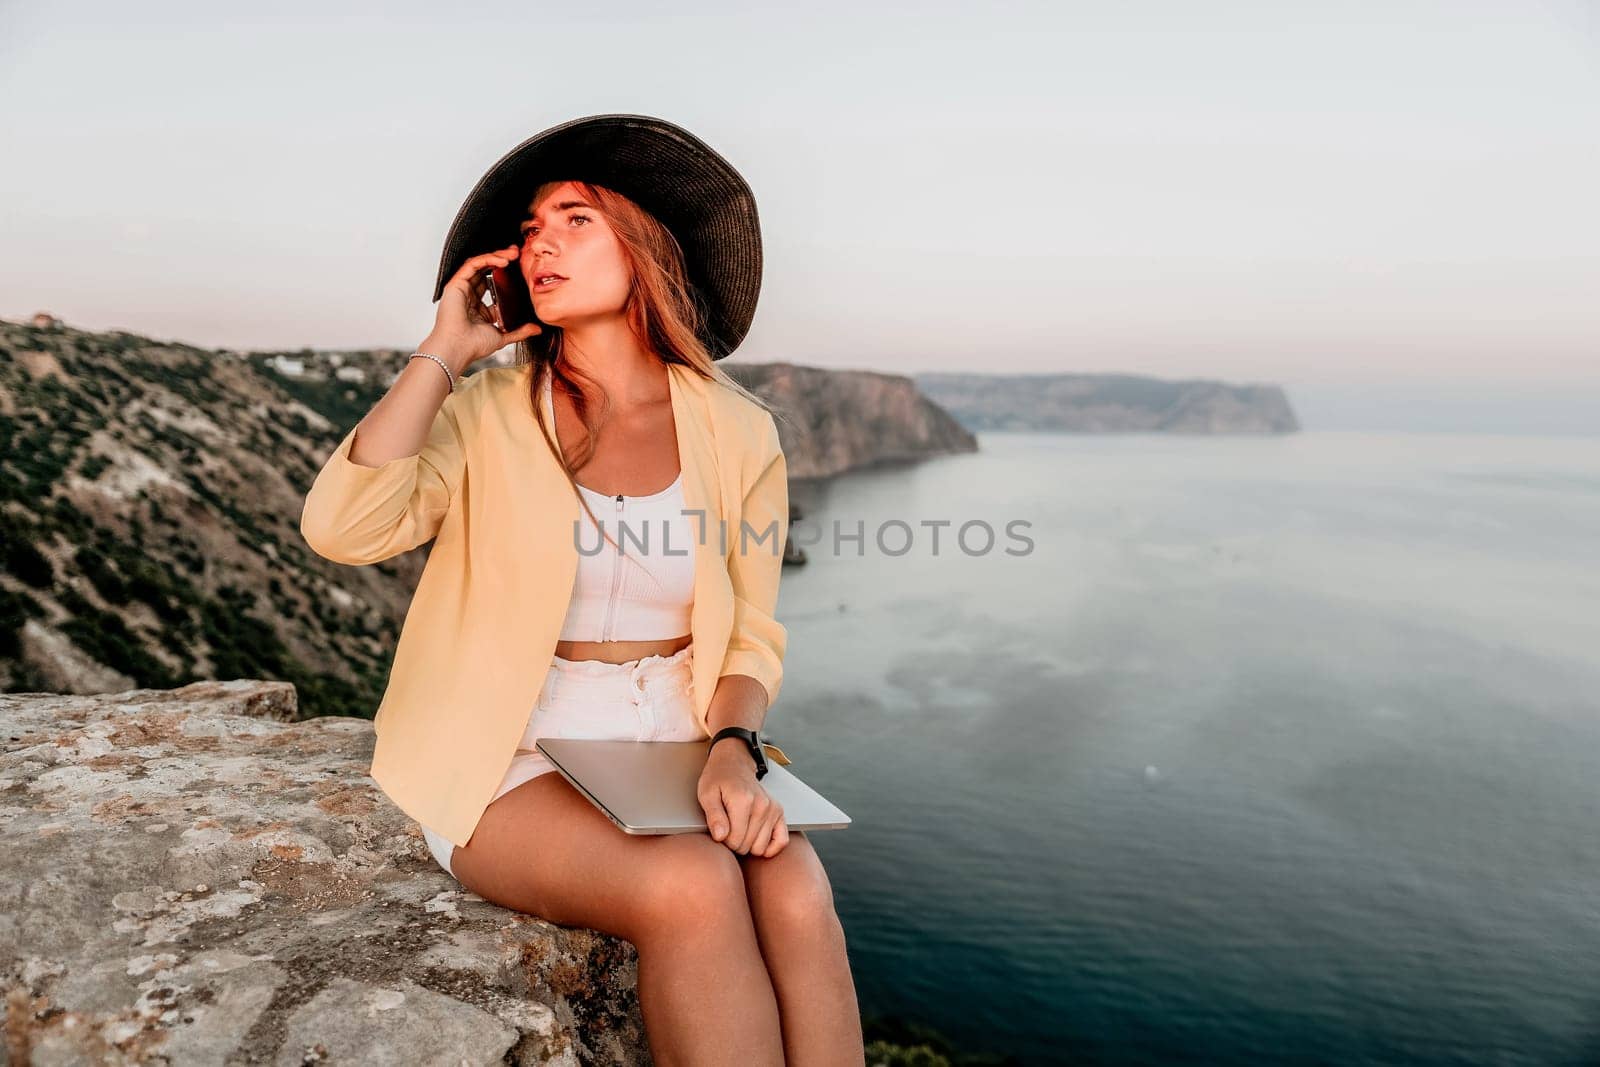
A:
(646, 592)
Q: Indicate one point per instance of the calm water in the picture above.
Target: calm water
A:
(1272, 749)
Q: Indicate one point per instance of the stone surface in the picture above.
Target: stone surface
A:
(191, 876)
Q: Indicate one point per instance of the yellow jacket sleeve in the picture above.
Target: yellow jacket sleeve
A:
(755, 565)
(357, 514)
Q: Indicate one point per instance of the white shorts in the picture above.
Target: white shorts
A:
(649, 699)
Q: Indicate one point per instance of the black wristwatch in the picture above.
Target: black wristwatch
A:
(750, 738)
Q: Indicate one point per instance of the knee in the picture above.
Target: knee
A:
(797, 906)
(698, 888)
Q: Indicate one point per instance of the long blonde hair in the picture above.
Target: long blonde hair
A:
(661, 310)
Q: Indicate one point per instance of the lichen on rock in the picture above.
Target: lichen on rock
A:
(193, 876)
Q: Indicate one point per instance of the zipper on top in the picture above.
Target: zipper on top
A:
(608, 631)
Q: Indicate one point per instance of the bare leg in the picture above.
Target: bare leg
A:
(704, 992)
(803, 943)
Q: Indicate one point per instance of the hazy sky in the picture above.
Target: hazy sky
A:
(1310, 194)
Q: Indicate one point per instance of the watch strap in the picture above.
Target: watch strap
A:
(752, 741)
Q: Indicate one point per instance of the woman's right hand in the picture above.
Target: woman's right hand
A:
(464, 330)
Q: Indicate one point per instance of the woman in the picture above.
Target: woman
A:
(528, 621)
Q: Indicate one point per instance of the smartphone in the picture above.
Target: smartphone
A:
(509, 301)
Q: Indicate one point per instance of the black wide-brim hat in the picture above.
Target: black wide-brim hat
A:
(665, 169)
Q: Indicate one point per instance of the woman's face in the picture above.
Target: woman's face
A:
(565, 235)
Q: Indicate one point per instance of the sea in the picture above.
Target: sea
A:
(1173, 749)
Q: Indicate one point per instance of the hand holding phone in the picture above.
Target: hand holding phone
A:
(509, 301)
(466, 329)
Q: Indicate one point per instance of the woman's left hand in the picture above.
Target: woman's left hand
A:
(739, 812)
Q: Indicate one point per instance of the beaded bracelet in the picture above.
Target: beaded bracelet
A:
(441, 363)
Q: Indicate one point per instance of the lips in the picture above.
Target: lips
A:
(544, 282)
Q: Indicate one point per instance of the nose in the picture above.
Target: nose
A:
(538, 246)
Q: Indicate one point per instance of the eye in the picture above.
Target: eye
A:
(529, 230)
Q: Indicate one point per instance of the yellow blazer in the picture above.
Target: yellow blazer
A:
(483, 623)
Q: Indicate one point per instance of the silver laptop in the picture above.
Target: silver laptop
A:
(648, 787)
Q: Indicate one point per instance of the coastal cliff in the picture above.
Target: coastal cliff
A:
(1108, 403)
(832, 421)
(150, 496)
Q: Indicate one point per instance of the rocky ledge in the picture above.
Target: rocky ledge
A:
(192, 876)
